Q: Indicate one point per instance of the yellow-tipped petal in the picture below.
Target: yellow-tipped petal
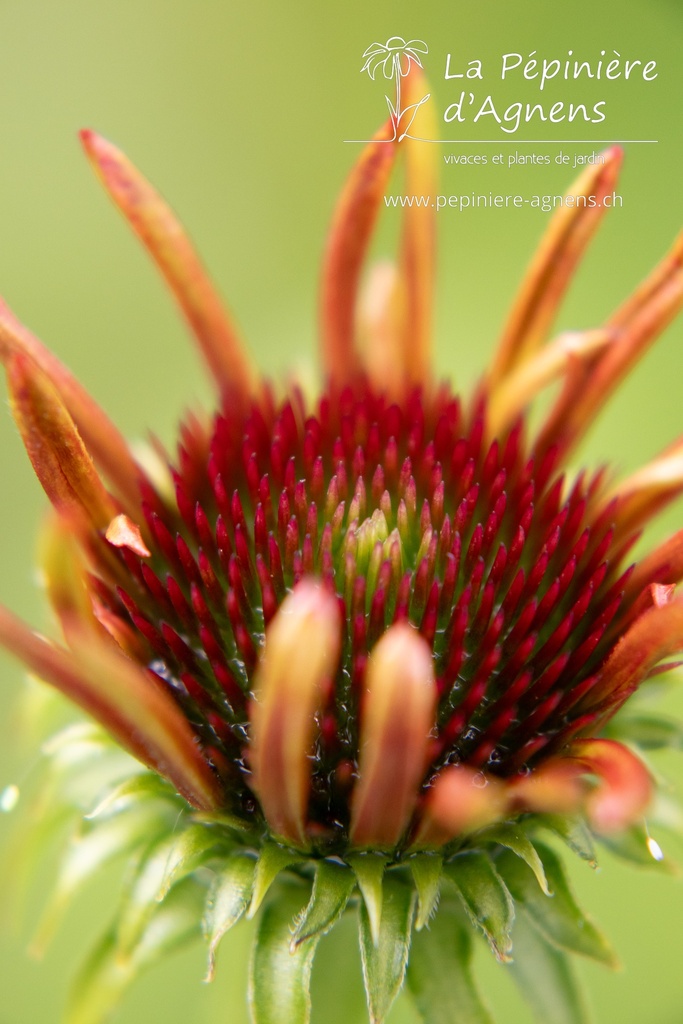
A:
(296, 668)
(378, 329)
(59, 457)
(122, 532)
(418, 243)
(641, 495)
(120, 695)
(397, 718)
(160, 232)
(566, 239)
(625, 787)
(460, 800)
(517, 389)
(108, 447)
(656, 634)
(348, 240)
(634, 326)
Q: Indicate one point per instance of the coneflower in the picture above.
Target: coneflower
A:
(366, 645)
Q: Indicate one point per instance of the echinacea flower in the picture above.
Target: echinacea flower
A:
(396, 57)
(367, 646)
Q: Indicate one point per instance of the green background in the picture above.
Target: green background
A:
(238, 112)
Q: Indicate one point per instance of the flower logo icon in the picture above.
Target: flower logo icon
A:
(395, 58)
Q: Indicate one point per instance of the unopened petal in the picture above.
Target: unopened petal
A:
(60, 459)
(107, 446)
(397, 718)
(349, 237)
(625, 786)
(160, 232)
(549, 274)
(297, 667)
(460, 800)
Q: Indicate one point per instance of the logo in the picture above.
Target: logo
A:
(395, 58)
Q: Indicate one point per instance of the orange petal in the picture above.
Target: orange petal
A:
(297, 666)
(379, 333)
(625, 787)
(119, 694)
(352, 224)
(564, 243)
(59, 457)
(397, 718)
(418, 243)
(459, 801)
(657, 634)
(635, 325)
(664, 566)
(122, 532)
(158, 229)
(555, 787)
(108, 447)
(648, 490)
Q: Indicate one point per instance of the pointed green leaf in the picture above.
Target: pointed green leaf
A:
(145, 787)
(140, 894)
(572, 831)
(636, 846)
(369, 871)
(485, 898)
(332, 886)
(228, 901)
(279, 977)
(90, 849)
(545, 977)
(384, 961)
(272, 860)
(515, 838)
(189, 850)
(426, 869)
(439, 974)
(558, 917)
(106, 975)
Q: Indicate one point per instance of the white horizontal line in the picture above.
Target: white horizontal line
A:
(536, 142)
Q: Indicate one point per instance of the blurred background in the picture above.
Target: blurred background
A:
(238, 113)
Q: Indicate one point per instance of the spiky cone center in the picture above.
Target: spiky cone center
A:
(510, 577)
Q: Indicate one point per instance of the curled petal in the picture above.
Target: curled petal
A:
(553, 788)
(109, 449)
(569, 232)
(59, 457)
(418, 243)
(295, 671)
(634, 326)
(460, 800)
(397, 717)
(120, 695)
(657, 634)
(349, 236)
(158, 229)
(625, 786)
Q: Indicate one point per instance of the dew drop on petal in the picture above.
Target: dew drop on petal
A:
(9, 798)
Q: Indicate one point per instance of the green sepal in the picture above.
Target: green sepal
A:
(92, 846)
(558, 917)
(279, 976)
(485, 897)
(273, 859)
(545, 977)
(426, 869)
(573, 832)
(190, 849)
(384, 960)
(106, 975)
(439, 974)
(369, 871)
(146, 787)
(332, 887)
(633, 845)
(227, 902)
(515, 838)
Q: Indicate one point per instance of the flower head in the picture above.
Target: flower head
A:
(394, 57)
(357, 634)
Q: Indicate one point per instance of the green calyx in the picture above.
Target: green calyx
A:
(418, 916)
